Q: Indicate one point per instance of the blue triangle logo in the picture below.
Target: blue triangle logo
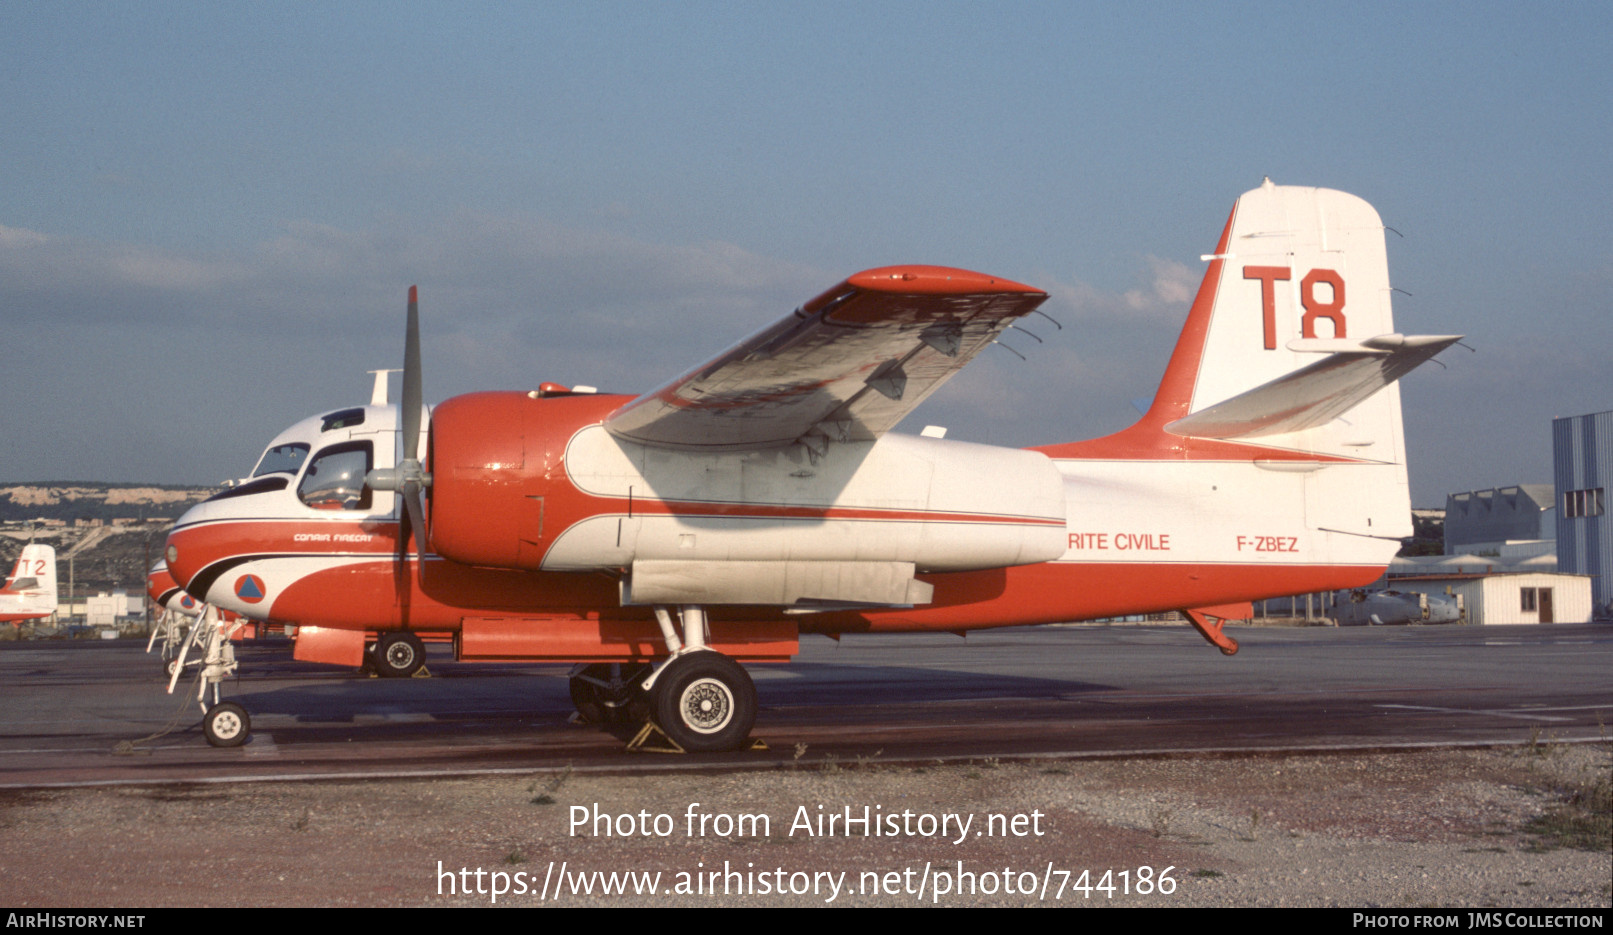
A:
(248, 588)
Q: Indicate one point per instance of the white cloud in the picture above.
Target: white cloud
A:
(1167, 289)
(289, 326)
(154, 269)
(17, 238)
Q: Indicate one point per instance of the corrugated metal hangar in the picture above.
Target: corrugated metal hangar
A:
(1583, 454)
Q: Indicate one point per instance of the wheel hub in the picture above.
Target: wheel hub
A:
(707, 705)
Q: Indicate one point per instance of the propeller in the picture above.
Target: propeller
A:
(409, 479)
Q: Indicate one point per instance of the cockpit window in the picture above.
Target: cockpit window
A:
(281, 459)
(335, 478)
(347, 418)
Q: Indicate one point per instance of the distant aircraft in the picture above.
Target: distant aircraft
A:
(30, 594)
(655, 540)
(1360, 608)
(178, 613)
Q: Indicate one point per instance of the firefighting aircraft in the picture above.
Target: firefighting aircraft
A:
(30, 593)
(657, 541)
(177, 627)
(177, 611)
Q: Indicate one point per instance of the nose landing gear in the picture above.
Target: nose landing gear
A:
(224, 723)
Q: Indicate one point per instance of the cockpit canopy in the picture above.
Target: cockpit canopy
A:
(287, 459)
(325, 458)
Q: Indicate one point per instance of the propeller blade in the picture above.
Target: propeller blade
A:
(415, 510)
(411, 381)
(404, 526)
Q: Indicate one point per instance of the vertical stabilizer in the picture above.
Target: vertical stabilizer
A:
(30, 592)
(1288, 361)
(1297, 328)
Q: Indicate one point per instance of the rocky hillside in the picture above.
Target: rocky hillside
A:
(72, 502)
(105, 535)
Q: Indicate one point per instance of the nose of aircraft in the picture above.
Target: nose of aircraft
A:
(180, 552)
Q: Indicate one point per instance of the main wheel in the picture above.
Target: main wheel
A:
(705, 701)
(398, 655)
(226, 724)
(609, 694)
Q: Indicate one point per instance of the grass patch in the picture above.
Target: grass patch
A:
(550, 787)
(1581, 820)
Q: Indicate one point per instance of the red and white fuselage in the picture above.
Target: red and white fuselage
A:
(766, 487)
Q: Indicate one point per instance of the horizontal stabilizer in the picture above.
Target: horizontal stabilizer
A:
(1317, 394)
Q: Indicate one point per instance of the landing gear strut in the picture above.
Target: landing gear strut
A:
(704, 701)
(177, 632)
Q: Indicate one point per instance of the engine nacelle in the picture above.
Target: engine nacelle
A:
(540, 484)
(499, 485)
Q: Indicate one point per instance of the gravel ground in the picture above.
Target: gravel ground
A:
(1447, 828)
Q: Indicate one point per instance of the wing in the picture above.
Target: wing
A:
(846, 366)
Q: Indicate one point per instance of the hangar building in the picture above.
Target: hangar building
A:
(1582, 448)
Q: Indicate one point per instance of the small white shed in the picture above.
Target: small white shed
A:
(1529, 597)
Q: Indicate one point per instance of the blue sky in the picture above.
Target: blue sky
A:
(211, 212)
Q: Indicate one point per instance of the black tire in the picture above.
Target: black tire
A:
(226, 724)
(705, 702)
(398, 655)
(617, 702)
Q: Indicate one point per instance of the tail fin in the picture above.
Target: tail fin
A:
(1288, 361)
(31, 590)
(1291, 339)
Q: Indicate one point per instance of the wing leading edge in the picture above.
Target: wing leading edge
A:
(846, 366)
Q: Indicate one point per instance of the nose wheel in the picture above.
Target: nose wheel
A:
(226, 724)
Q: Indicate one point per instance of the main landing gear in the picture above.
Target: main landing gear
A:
(702, 700)
(398, 655)
(705, 701)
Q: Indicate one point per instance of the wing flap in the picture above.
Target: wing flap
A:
(846, 366)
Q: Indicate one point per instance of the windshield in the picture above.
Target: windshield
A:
(281, 458)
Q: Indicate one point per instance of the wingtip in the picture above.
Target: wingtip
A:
(414, 295)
